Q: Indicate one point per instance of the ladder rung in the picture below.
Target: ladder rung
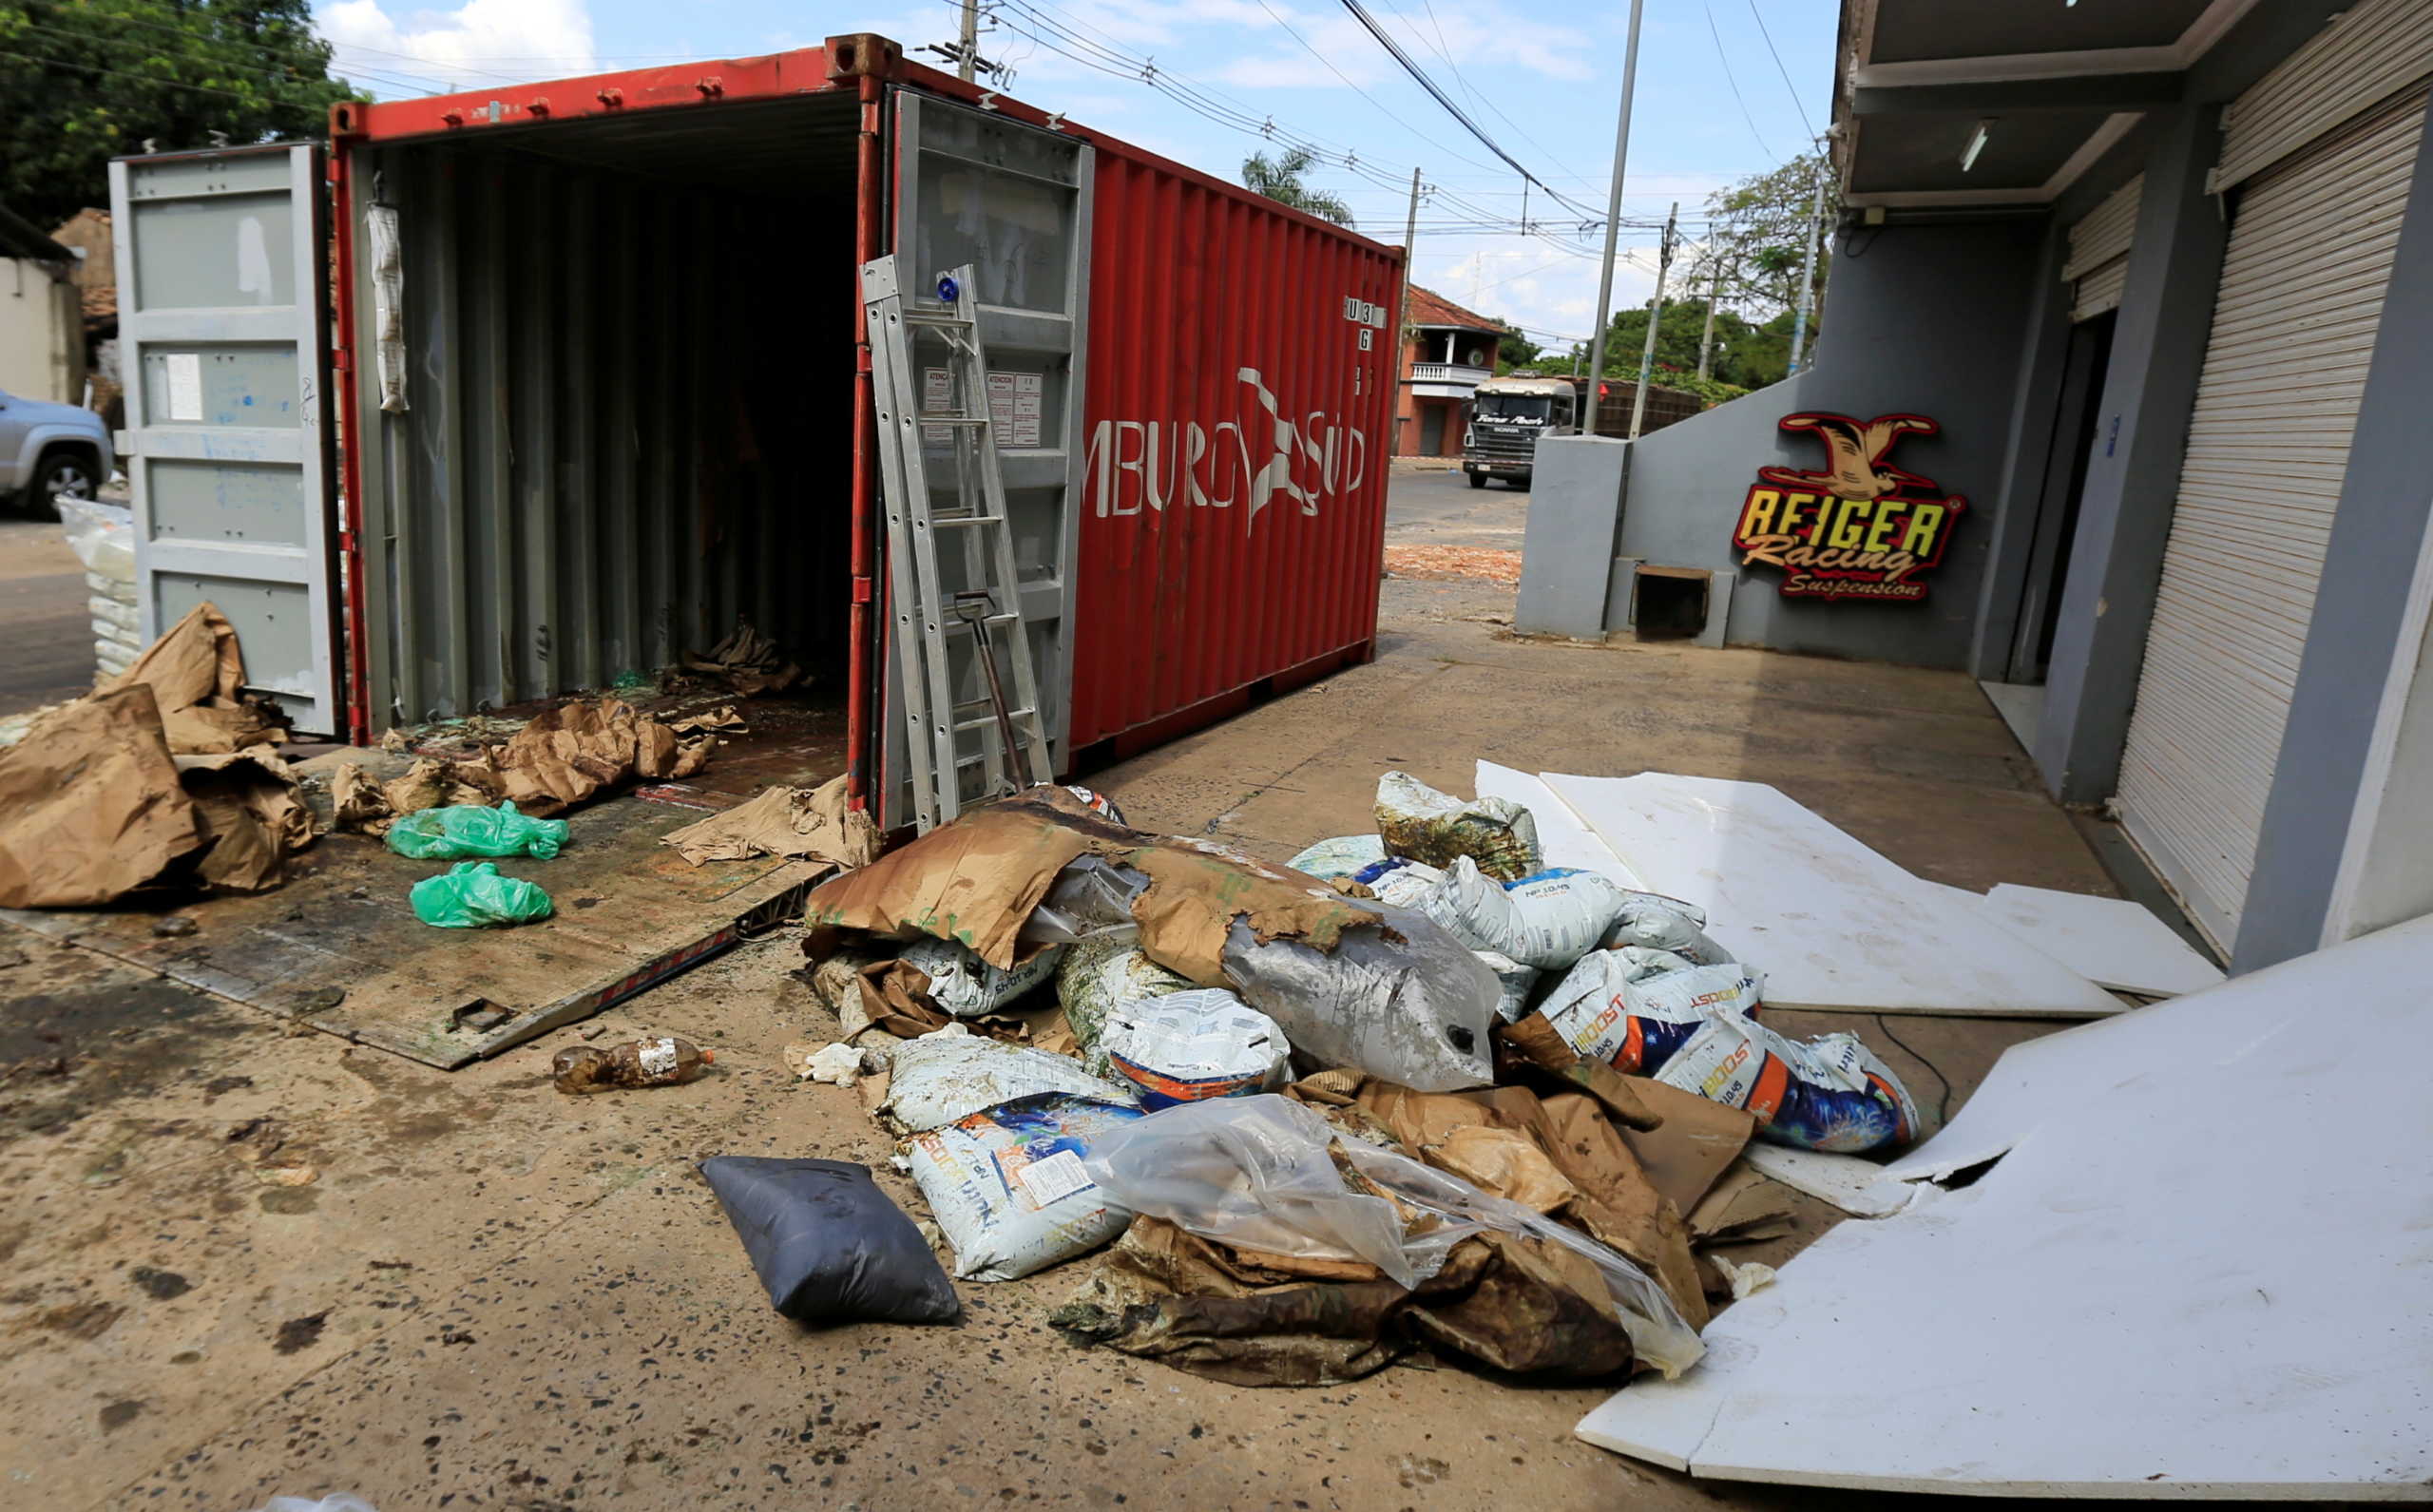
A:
(943, 520)
(951, 419)
(988, 720)
(954, 623)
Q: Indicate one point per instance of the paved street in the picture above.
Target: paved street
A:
(1441, 509)
(43, 621)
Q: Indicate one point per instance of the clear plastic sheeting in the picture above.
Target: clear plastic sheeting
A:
(1259, 1173)
(1090, 899)
(1404, 1001)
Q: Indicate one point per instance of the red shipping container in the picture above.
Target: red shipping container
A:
(628, 396)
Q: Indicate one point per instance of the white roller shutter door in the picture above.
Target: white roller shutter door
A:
(2098, 265)
(2303, 280)
(2370, 52)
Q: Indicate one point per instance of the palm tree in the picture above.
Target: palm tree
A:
(1280, 181)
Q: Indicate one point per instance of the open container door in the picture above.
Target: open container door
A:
(222, 311)
(1013, 200)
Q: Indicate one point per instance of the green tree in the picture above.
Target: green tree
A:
(1744, 355)
(1515, 350)
(1281, 180)
(1758, 232)
(83, 81)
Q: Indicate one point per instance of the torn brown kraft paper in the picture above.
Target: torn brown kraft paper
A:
(196, 673)
(93, 806)
(978, 879)
(1561, 1157)
(805, 824)
(1251, 1318)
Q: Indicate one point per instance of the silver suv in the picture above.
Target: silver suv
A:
(49, 452)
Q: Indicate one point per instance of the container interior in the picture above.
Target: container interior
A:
(628, 345)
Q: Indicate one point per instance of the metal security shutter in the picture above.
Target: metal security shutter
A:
(2303, 280)
(2098, 265)
(2370, 52)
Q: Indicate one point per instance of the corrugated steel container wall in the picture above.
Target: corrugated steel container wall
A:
(1224, 544)
(1238, 410)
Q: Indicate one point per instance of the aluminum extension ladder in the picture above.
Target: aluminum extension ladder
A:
(984, 615)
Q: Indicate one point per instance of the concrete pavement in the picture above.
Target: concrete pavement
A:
(488, 1294)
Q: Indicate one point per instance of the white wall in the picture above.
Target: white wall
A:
(42, 333)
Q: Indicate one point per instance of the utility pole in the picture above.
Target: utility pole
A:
(1613, 222)
(1714, 295)
(1655, 319)
(1808, 273)
(1402, 315)
(969, 40)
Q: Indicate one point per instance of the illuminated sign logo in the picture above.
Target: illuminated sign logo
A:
(1861, 529)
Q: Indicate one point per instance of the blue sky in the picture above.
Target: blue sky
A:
(1541, 80)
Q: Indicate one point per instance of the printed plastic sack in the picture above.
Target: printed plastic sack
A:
(1401, 883)
(1008, 1186)
(1828, 1094)
(828, 1245)
(1259, 1173)
(1514, 981)
(966, 986)
(952, 1074)
(1098, 802)
(1419, 822)
(1100, 976)
(471, 895)
(1190, 1046)
(1657, 923)
(1548, 919)
(1634, 1008)
(462, 830)
(1090, 899)
(1405, 1002)
(1342, 856)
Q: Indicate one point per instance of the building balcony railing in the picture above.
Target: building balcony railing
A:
(1449, 373)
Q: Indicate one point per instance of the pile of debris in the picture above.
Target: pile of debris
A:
(165, 777)
(1415, 1091)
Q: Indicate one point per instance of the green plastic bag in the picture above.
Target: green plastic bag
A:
(462, 830)
(471, 895)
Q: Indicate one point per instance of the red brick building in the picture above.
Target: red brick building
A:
(1449, 350)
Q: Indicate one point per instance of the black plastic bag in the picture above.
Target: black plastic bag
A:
(830, 1246)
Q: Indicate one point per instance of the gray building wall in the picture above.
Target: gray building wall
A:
(1929, 319)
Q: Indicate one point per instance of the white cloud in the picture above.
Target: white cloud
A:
(482, 40)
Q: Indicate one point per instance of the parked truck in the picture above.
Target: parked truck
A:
(1509, 414)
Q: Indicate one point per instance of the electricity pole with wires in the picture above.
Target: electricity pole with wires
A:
(968, 41)
(1613, 222)
(1715, 296)
(1655, 319)
(1808, 270)
(1402, 317)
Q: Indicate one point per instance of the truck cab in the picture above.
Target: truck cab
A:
(1506, 417)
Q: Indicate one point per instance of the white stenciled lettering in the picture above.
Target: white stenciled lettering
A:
(1250, 458)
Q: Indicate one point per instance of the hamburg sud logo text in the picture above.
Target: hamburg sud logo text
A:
(1858, 528)
(1268, 451)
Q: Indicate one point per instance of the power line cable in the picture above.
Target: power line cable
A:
(1385, 40)
(1793, 88)
(316, 111)
(1734, 80)
(1374, 100)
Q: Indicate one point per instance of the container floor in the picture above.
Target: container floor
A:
(338, 947)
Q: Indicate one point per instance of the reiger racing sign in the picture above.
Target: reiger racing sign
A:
(1861, 529)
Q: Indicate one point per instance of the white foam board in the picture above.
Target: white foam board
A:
(1562, 840)
(2200, 1270)
(1857, 1187)
(2112, 941)
(1828, 922)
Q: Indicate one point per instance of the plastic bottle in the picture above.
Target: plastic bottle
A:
(664, 1062)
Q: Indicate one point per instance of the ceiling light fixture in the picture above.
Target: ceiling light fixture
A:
(1976, 143)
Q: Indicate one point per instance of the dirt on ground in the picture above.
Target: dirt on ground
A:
(244, 1260)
